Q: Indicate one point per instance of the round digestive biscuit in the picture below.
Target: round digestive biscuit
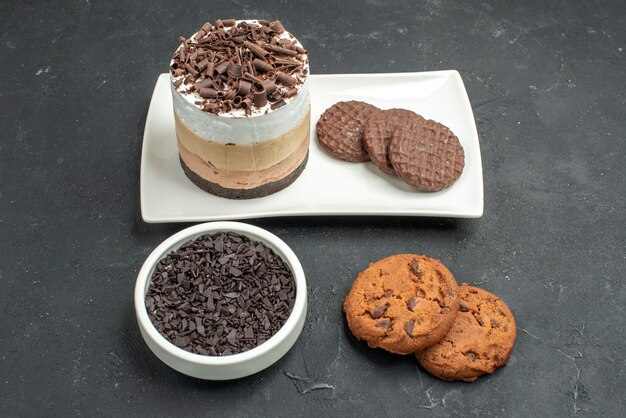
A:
(377, 134)
(480, 341)
(426, 154)
(402, 303)
(340, 129)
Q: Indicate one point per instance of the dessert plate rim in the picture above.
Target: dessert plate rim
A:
(327, 186)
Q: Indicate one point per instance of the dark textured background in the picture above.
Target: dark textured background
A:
(548, 87)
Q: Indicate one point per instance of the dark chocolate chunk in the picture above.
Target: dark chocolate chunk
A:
(408, 327)
(379, 312)
(384, 324)
(415, 268)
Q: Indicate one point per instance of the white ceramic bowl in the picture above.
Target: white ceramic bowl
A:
(236, 365)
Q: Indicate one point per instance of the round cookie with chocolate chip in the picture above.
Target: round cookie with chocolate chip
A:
(480, 341)
(340, 129)
(426, 154)
(402, 303)
(377, 134)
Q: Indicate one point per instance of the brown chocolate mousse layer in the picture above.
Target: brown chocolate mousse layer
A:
(256, 156)
(260, 191)
(243, 179)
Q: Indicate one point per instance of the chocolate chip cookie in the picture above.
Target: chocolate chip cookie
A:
(402, 303)
(426, 154)
(480, 341)
(340, 129)
(377, 134)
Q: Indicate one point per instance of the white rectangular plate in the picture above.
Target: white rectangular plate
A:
(327, 186)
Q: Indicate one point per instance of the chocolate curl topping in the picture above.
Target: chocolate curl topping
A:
(210, 69)
(239, 65)
(191, 70)
(208, 93)
(281, 50)
(277, 26)
(203, 64)
(256, 50)
(222, 67)
(206, 82)
(252, 77)
(230, 94)
(221, 33)
(285, 62)
(269, 86)
(234, 70)
(285, 79)
(290, 92)
(205, 40)
(278, 104)
(211, 107)
(259, 94)
(206, 27)
(261, 65)
(247, 103)
(244, 87)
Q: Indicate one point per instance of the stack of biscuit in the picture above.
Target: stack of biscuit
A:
(412, 304)
(424, 153)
